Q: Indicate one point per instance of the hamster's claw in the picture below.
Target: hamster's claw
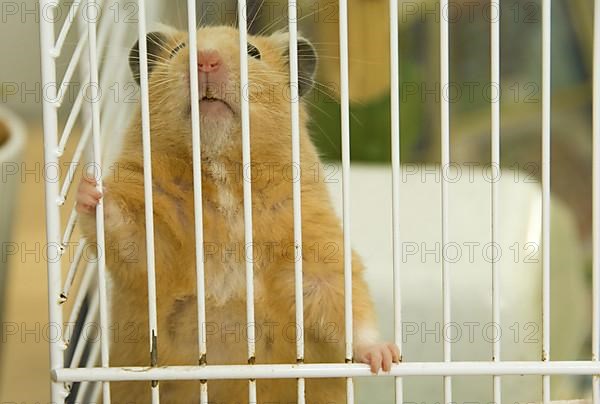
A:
(379, 356)
(87, 196)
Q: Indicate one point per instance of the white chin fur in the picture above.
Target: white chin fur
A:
(216, 134)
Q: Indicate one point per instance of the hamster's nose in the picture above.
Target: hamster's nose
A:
(208, 61)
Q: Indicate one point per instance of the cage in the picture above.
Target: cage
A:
(494, 209)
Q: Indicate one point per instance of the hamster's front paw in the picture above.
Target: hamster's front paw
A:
(87, 196)
(378, 356)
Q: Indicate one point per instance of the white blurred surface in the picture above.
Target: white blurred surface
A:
(469, 231)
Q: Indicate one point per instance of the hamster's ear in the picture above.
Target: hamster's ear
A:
(307, 66)
(155, 44)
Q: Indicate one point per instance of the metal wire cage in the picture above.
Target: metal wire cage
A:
(80, 366)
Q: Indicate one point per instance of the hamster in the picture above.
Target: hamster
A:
(222, 188)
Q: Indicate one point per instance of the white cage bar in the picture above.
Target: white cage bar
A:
(328, 370)
(88, 56)
(347, 246)
(97, 160)
(247, 186)
(198, 209)
(297, 186)
(148, 199)
(396, 182)
(596, 204)
(445, 165)
(495, 160)
(50, 121)
(546, 128)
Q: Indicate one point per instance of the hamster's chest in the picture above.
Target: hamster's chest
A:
(224, 246)
(223, 210)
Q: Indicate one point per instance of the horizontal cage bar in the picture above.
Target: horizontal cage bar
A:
(325, 370)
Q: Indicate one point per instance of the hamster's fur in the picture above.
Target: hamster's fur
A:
(223, 220)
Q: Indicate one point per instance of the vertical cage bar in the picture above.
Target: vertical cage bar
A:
(95, 392)
(445, 164)
(596, 203)
(97, 160)
(297, 186)
(115, 113)
(246, 161)
(495, 159)
(546, 129)
(81, 343)
(84, 75)
(84, 286)
(198, 209)
(84, 386)
(148, 196)
(345, 117)
(107, 74)
(396, 175)
(50, 122)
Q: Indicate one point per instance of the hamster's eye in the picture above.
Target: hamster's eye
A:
(177, 49)
(253, 51)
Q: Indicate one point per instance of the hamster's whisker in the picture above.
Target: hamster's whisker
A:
(199, 21)
(160, 83)
(333, 91)
(300, 79)
(161, 45)
(175, 39)
(327, 136)
(159, 60)
(278, 20)
(162, 100)
(322, 56)
(161, 78)
(269, 26)
(255, 15)
(314, 105)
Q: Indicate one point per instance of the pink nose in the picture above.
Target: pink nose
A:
(208, 61)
